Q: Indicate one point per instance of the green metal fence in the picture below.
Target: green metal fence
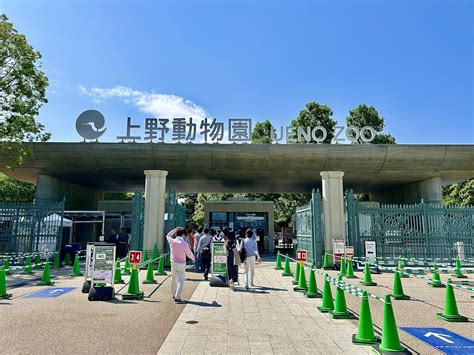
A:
(175, 216)
(418, 230)
(309, 229)
(138, 218)
(31, 227)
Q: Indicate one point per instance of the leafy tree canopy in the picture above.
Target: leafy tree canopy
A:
(364, 115)
(460, 194)
(22, 93)
(315, 114)
(261, 133)
(15, 191)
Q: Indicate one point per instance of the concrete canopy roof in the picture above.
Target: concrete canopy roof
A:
(245, 167)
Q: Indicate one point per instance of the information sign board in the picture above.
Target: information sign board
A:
(370, 250)
(104, 264)
(301, 255)
(339, 248)
(135, 257)
(219, 258)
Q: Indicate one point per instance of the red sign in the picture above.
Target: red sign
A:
(135, 257)
(301, 255)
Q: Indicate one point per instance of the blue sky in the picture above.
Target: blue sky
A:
(412, 60)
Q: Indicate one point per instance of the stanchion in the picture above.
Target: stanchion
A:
(457, 272)
(367, 281)
(150, 278)
(326, 263)
(340, 309)
(118, 273)
(126, 268)
(350, 269)
(57, 261)
(287, 270)
(161, 267)
(390, 340)
(312, 286)
(297, 274)
(365, 331)
(278, 265)
(133, 292)
(398, 288)
(450, 312)
(327, 303)
(76, 270)
(3, 285)
(46, 278)
(302, 286)
(342, 269)
(436, 280)
(27, 270)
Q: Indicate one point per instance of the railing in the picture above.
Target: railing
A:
(310, 230)
(31, 227)
(413, 231)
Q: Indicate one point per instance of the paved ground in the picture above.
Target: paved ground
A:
(72, 324)
(272, 318)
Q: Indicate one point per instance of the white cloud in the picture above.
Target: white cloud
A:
(156, 104)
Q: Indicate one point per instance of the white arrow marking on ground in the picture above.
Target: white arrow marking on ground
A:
(57, 290)
(440, 336)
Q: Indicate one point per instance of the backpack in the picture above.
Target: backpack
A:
(242, 253)
(123, 238)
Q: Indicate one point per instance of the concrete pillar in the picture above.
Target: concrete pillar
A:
(77, 197)
(155, 188)
(333, 207)
(430, 190)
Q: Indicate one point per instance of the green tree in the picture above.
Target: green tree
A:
(459, 194)
(16, 191)
(198, 215)
(364, 115)
(261, 133)
(22, 93)
(119, 196)
(315, 114)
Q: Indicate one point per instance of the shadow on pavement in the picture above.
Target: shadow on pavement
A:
(203, 304)
(270, 288)
(251, 290)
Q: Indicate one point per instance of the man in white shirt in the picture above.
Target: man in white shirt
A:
(197, 260)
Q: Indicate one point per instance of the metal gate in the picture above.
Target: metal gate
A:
(31, 227)
(309, 229)
(138, 218)
(419, 230)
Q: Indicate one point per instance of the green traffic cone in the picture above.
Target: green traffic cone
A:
(328, 303)
(326, 263)
(46, 278)
(144, 259)
(367, 281)
(297, 274)
(312, 286)
(340, 308)
(302, 286)
(6, 266)
(133, 292)
(76, 270)
(67, 260)
(278, 262)
(365, 331)
(398, 288)
(435, 266)
(450, 312)
(458, 272)
(161, 267)
(37, 262)
(436, 280)
(126, 269)
(27, 270)
(150, 278)
(287, 270)
(342, 270)
(401, 269)
(3, 285)
(390, 339)
(154, 256)
(168, 260)
(118, 273)
(350, 270)
(57, 261)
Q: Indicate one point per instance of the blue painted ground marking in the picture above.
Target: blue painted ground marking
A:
(443, 340)
(51, 292)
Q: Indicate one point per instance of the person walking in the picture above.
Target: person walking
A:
(179, 250)
(251, 255)
(197, 263)
(233, 259)
(204, 251)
